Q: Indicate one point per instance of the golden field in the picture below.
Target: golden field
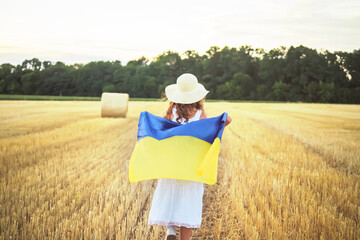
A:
(286, 171)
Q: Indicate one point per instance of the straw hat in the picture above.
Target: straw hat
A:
(186, 90)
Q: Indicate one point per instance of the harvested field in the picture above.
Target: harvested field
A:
(286, 171)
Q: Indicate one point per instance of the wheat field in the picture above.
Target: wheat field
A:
(286, 171)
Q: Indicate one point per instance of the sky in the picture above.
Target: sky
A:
(80, 31)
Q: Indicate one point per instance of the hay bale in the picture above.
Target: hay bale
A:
(114, 104)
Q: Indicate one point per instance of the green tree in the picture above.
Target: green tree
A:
(288, 74)
(239, 87)
(352, 67)
(6, 78)
(57, 79)
(280, 90)
(121, 78)
(46, 64)
(10, 77)
(166, 68)
(30, 82)
(109, 88)
(150, 88)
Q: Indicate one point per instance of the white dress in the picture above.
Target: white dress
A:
(177, 202)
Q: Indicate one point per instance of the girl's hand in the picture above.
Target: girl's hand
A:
(228, 120)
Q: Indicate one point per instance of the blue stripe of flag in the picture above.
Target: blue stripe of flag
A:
(161, 128)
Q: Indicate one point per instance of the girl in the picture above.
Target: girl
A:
(179, 202)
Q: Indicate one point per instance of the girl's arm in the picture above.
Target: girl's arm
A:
(228, 119)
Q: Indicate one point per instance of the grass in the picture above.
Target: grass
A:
(286, 171)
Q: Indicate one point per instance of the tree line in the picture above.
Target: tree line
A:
(243, 73)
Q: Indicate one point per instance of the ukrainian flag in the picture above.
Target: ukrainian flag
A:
(167, 149)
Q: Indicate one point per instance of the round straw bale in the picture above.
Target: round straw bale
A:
(114, 104)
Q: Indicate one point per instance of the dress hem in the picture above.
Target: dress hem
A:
(177, 224)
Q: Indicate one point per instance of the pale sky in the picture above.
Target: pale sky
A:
(80, 31)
